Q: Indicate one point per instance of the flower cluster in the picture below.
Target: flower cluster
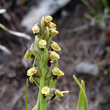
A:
(44, 75)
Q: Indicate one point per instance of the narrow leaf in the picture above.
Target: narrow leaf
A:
(83, 92)
(45, 57)
(81, 97)
(47, 35)
(80, 101)
(42, 25)
(36, 43)
(35, 53)
(26, 100)
(34, 107)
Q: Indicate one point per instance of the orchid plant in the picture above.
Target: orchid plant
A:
(45, 74)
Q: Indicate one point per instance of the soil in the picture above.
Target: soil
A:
(80, 46)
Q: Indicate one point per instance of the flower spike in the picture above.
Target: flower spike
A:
(45, 75)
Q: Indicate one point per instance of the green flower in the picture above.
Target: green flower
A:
(56, 71)
(48, 18)
(31, 71)
(53, 32)
(58, 93)
(45, 90)
(42, 43)
(35, 29)
(53, 55)
(52, 25)
(55, 46)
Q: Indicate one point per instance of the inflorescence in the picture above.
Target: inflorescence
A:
(45, 74)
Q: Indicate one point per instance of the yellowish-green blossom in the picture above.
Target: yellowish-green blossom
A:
(48, 18)
(55, 46)
(35, 29)
(28, 55)
(45, 90)
(58, 93)
(31, 71)
(53, 55)
(42, 43)
(52, 25)
(56, 71)
(53, 32)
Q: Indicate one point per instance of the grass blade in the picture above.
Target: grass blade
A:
(26, 100)
(82, 95)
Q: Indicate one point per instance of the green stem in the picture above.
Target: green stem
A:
(38, 103)
(43, 102)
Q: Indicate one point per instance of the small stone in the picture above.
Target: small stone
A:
(86, 68)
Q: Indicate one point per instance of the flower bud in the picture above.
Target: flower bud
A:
(31, 71)
(55, 46)
(53, 32)
(48, 18)
(42, 43)
(53, 55)
(45, 90)
(35, 29)
(56, 71)
(28, 55)
(58, 93)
